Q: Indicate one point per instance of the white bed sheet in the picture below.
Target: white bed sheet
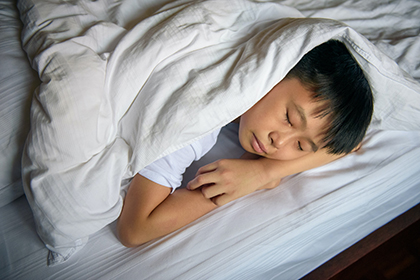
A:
(315, 219)
(313, 222)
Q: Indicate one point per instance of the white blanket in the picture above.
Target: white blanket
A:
(114, 100)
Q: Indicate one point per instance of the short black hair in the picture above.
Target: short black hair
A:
(331, 73)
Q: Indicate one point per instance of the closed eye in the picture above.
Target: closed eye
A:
(299, 146)
(288, 119)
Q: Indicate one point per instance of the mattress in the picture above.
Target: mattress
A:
(283, 233)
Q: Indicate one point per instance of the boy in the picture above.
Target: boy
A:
(318, 113)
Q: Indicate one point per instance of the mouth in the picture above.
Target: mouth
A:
(258, 146)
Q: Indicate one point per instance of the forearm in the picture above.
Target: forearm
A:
(228, 179)
(275, 169)
(150, 212)
(179, 209)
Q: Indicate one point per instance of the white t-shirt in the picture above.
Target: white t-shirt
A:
(168, 171)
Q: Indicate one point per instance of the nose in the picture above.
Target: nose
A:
(278, 139)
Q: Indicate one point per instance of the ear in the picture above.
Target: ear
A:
(357, 148)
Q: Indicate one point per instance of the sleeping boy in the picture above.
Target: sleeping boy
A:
(318, 113)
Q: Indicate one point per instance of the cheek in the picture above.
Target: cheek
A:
(242, 136)
(256, 115)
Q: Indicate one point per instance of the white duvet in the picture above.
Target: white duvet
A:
(117, 94)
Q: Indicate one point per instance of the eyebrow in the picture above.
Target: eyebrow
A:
(302, 116)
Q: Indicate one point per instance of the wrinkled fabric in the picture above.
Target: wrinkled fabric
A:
(115, 98)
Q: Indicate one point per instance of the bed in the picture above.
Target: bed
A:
(283, 233)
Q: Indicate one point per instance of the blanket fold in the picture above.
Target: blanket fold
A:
(113, 100)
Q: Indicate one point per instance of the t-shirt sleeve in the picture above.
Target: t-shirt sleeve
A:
(168, 171)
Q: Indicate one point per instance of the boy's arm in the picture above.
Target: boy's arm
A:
(229, 179)
(150, 212)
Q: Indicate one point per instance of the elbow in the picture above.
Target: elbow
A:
(130, 237)
(128, 241)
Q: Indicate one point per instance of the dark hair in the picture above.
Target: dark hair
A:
(333, 75)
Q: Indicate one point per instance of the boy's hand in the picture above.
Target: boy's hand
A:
(228, 179)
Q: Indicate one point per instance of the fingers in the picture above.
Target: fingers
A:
(203, 176)
(201, 180)
(208, 184)
(220, 181)
(220, 200)
(211, 191)
(208, 168)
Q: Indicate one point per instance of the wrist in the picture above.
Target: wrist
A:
(271, 171)
(260, 166)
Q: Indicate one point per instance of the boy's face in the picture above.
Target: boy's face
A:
(282, 125)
